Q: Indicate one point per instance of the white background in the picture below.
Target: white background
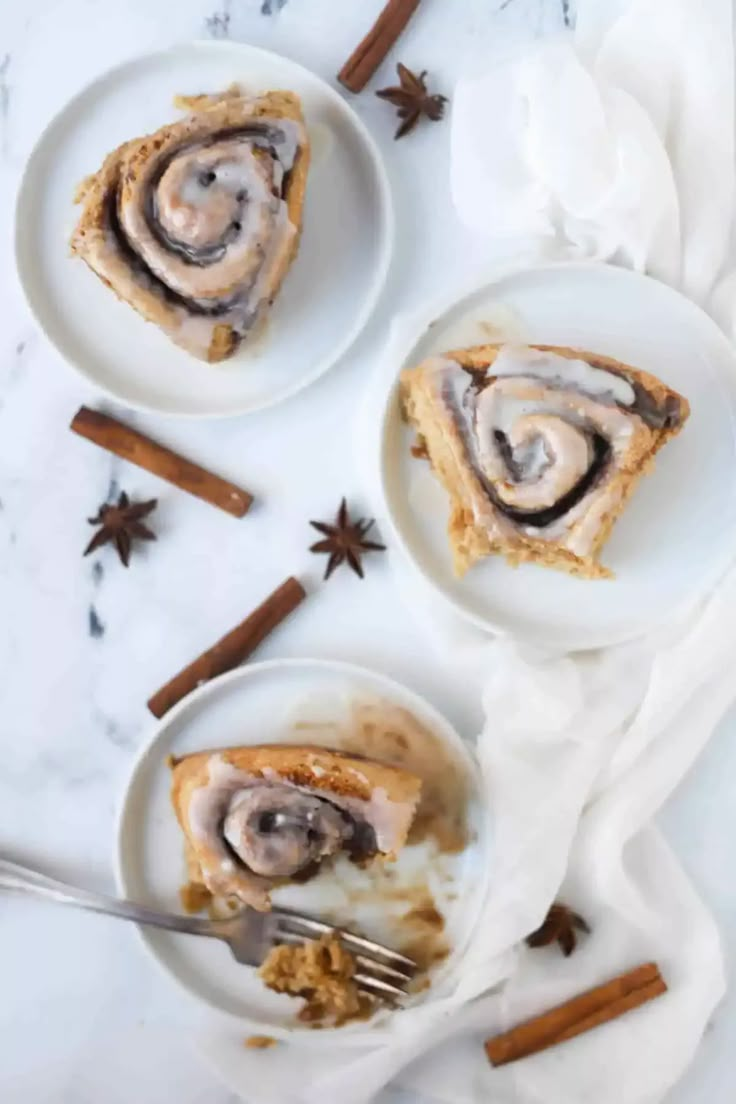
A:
(83, 1018)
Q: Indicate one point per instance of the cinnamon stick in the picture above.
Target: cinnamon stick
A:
(581, 1013)
(368, 55)
(236, 646)
(123, 441)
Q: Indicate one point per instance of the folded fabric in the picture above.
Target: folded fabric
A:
(572, 781)
(618, 145)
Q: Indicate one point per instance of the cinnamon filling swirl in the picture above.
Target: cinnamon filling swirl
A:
(542, 431)
(277, 832)
(211, 217)
(272, 829)
(597, 454)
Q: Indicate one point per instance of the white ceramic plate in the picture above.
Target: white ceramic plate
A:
(677, 534)
(328, 294)
(261, 704)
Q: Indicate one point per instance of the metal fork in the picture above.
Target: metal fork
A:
(249, 934)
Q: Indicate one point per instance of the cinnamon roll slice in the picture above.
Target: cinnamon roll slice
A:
(254, 817)
(195, 226)
(539, 448)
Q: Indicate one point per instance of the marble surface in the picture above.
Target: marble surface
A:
(83, 643)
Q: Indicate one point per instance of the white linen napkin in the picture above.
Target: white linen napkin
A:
(577, 755)
(617, 145)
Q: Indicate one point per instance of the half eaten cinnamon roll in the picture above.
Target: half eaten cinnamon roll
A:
(195, 226)
(257, 816)
(539, 448)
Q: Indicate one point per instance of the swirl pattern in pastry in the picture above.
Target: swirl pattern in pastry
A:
(539, 447)
(254, 817)
(195, 226)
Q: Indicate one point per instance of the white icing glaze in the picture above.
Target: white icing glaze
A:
(561, 458)
(534, 452)
(520, 360)
(207, 222)
(237, 221)
(524, 410)
(292, 137)
(546, 407)
(389, 819)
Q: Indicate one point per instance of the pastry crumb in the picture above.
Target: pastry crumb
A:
(204, 100)
(194, 897)
(259, 1042)
(222, 908)
(428, 915)
(321, 971)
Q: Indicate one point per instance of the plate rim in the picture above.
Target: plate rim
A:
(406, 332)
(356, 1034)
(371, 300)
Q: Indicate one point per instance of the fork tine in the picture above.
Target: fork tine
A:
(379, 988)
(308, 928)
(291, 937)
(377, 952)
(303, 925)
(384, 979)
(381, 970)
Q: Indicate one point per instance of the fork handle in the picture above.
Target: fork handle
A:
(29, 881)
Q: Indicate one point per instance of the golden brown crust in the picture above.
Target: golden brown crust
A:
(130, 164)
(470, 541)
(302, 765)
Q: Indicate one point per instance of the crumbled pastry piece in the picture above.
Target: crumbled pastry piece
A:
(321, 971)
(259, 1042)
(204, 100)
(223, 908)
(194, 897)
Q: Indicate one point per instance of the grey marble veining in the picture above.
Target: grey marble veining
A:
(218, 24)
(96, 626)
(4, 102)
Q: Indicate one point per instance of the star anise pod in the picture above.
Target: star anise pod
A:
(345, 541)
(412, 100)
(560, 926)
(121, 524)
